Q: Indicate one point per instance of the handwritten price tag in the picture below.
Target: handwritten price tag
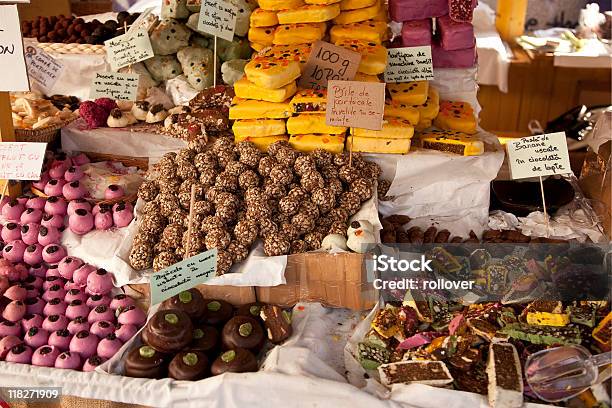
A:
(355, 104)
(328, 62)
(14, 74)
(541, 155)
(115, 86)
(183, 276)
(21, 161)
(409, 64)
(43, 68)
(128, 49)
(218, 18)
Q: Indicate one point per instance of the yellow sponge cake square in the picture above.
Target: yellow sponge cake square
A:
(296, 53)
(399, 110)
(250, 109)
(309, 101)
(374, 31)
(310, 142)
(355, 16)
(315, 123)
(322, 2)
(302, 33)
(452, 142)
(356, 4)
(393, 128)
(373, 56)
(308, 14)
(263, 18)
(261, 35)
(259, 127)
(457, 116)
(361, 77)
(272, 73)
(275, 5)
(409, 93)
(248, 90)
(429, 110)
(375, 145)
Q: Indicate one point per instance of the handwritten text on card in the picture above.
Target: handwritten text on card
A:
(541, 155)
(218, 18)
(115, 86)
(329, 62)
(128, 49)
(183, 276)
(14, 75)
(409, 64)
(21, 161)
(355, 104)
(43, 68)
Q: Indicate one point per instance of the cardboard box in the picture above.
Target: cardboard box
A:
(336, 280)
(43, 8)
(596, 183)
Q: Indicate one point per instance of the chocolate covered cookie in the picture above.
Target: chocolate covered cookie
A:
(168, 331)
(250, 310)
(205, 339)
(144, 362)
(242, 332)
(216, 312)
(278, 323)
(190, 301)
(234, 361)
(188, 365)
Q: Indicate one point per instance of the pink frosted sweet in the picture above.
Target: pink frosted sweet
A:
(60, 339)
(39, 270)
(94, 115)
(55, 323)
(45, 356)
(52, 279)
(29, 233)
(102, 328)
(78, 324)
(34, 280)
(77, 308)
(56, 205)
(103, 220)
(113, 192)
(100, 282)
(132, 315)
(84, 343)
(123, 215)
(74, 190)
(4, 284)
(80, 159)
(9, 329)
(98, 300)
(11, 232)
(14, 250)
(100, 313)
(53, 272)
(80, 275)
(20, 354)
(80, 203)
(33, 254)
(16, 292)
(122, 205)
(68, 265)
(14, 311)
(98, 207)
(121, 300)
(7, 343)
(92, 362)
(405, 10)
(454, 35)
(42, 182)
(54, 187)
(75, 294)
(22, 269)
(58, 166)
(71, 285)
(81, 222)
(52, 221)
(68, 361)
(53, 253)
(31, 291)
(73, 173)
(55, 291)
(10, 272)
(417, 33)
(465, 58)
(124, 332)
(12, 210)
(55, 306)
(36, 337)
(34, 305)
(31, 320)
(31, 215)
(23, 199)
(107, 104)
(35, 203)
(108, 346)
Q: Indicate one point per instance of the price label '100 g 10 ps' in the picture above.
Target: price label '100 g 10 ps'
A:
(328, 62)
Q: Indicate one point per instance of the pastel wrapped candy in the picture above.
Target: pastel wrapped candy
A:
(68, 361)
(100, 313)
(169, 36)
(37, 203)
(100, 282)
(197, 66)
(81, 222)
(73, 191)
(35, 306)
(442, 58)
(454, 35)
(77, 308)
(102, 328)
(12, 210)
(8, 328)
(124, 332)
(132, 315)
(52, 221)
(55, 322)
(417, 33)
(31, 215)
(405, 10)
(60, 339)
(164, 67)
(98, 300)
(174, 9)
(68, 265)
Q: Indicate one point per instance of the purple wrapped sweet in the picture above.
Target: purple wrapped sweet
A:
(7, 343)
(121, 300)
(80, 204)
(132, 315)
(75, 294)
(92, 362)
(454, 35)
(108, 346)
(98, 300)
(80, 275)
(73, 173)
(417, 33)
(9, 329)
(10, 232)
(405, 10)
(55, 322)
(53, 253)
(34, 306)
(52, 221)
(48, 235)
(12, 210)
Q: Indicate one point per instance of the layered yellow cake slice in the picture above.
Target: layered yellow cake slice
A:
(374, 31)
(409, 93)
(457, 116)
(257, 46)
(403, 111)
(263, 18)
(251, 109)
(261, 35)
(310, 142)
(452, 142)
(275, 5)
(296, 53)
(376, 145)
(310, 13)
(355, 16)
(262, 143)
(308, 101)
(356, 4)
(393, 128)
(429, 110)
(259, 127)
(322, 2)
(373, 56)
(272, 73)
(312, 123)
(248, 90)
(302, 33)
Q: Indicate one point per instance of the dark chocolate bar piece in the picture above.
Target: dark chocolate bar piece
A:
(278, 323)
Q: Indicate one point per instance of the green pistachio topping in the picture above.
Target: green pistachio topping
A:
(198, 334)
(214, 306)
(171, 318)
(228, 356)
(146, 352)
(254, 310)
(190, 359)
(245, 329)
(287, 316)
(185, 297)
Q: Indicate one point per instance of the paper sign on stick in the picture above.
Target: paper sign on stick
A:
(183, 276)
(409, 64)
(329, 62)
(43, 68)
(541, 155)
(115, 85)
(218, 18)
(355, 104)
(21, 161)
(128, 49)
(14, 74)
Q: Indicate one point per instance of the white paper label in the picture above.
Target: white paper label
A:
(128, 49)
(115, 85)
(409, 64)
(14, 75)
(218, 18)
(21, 161)
(541, 155)
(43, 68)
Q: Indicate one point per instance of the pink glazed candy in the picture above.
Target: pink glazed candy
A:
(75, 294)
(73, 174)
(20, 354)
(100, 313)
(55, 323)
(52, 221)
(39, 270)
(11, 232)
(98, 300)
(33, 254)
(68, 361)
(113, 192)
(78, 324)
(49, 236)
(417, 33)
(14, 250)
(34, 306)
(31, 291)
(12, 210)
(9, 329)
(7, 343)
(455, 36)
(74, 191)
(81, 203)
(36, 337)
(31, 320)
(108, 346)
(77, 308)
(60, 339)
(124, 332)
(31, 215)
(56, 306)
(102, 328)
(80, 275)
(92, 362)
(52, 279)
(55, 291)
(16, 292)
(123, 214)
(121, 300)
(132, 315)
(29, 233)
(45, 356)
(54, 187)
(53, 253)
(100, 282)
(34, 280)
(405, 10)
(56, 206)
(68, 265)
(36, 203)
(84, 343)
(103, 220)
(42, 182)
(81, 222)
(14, 311)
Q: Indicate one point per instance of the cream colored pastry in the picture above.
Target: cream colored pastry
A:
(140, 109)
(117, 119)
(125, 105)
(156, 114)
